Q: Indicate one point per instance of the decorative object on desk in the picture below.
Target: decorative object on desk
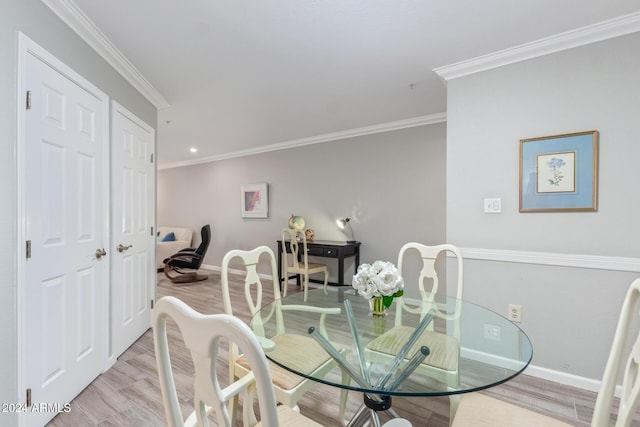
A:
(559, 173)
(296, 222)
(310, 235)
(381, 283)
(343, 223)
(254, 200)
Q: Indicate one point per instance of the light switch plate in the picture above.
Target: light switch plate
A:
(493, 205)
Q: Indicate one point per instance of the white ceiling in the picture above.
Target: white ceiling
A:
(239, 75)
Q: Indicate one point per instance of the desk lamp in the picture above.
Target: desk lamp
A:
(343, 223)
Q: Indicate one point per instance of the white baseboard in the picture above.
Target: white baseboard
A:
(564, 378)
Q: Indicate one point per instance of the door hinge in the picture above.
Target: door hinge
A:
(28, 100)
(28, 249)
(151, 231)
(28, 398)
(151, 157)
(151, 304)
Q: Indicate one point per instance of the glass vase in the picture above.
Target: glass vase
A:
(377, 307)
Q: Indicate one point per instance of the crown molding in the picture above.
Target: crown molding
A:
(616, 27)
(351, 133)
(71, 15)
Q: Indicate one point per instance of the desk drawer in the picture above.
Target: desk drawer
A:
(331, 252)
(315, 250)
(322, 251)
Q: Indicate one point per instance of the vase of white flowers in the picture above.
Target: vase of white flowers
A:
(376, 304)
(379, 282)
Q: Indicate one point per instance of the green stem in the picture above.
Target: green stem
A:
(378, 306)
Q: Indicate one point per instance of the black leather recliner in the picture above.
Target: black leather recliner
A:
(188, 258)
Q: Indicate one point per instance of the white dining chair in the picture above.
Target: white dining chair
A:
(303, 351)
(202, 335)
(478, 410)
(442, 363)
(295, 260)
(428, 280)
(397, 422)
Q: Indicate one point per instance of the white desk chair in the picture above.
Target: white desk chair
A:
(297, 261)
(309, 355)
(443, 362)
(477, 410)
(202, 335)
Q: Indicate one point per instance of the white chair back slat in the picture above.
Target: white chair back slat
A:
(630, 399)
(428, 274)
(202, 335)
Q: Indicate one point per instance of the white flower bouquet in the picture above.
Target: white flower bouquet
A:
(380, 279)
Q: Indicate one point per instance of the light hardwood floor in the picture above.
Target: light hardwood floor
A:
(128, 394)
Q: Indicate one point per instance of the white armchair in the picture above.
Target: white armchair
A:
(184, 239)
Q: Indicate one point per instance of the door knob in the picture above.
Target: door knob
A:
(122, 248)
(100, 253)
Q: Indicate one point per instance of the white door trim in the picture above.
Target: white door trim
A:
(26, 47)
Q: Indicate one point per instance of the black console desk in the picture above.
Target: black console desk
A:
(327, 249)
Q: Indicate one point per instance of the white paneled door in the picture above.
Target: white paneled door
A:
(133, 261)
(67, 266)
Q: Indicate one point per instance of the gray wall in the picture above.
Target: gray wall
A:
(42, 26)
(392, 184)
(569, 312)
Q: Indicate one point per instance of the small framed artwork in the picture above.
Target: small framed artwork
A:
(255, 200)
(559, 173)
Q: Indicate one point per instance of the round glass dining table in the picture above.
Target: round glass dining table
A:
(439, 346)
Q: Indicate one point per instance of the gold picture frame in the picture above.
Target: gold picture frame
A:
(559, 173)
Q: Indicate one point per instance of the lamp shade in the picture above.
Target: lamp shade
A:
(344, 223)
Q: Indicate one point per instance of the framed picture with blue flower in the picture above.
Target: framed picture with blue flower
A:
(559, 173)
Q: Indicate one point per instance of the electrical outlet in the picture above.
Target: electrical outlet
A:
(492, 332)
(514, 313)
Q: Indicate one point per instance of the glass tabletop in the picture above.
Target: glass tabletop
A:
(468, 347)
